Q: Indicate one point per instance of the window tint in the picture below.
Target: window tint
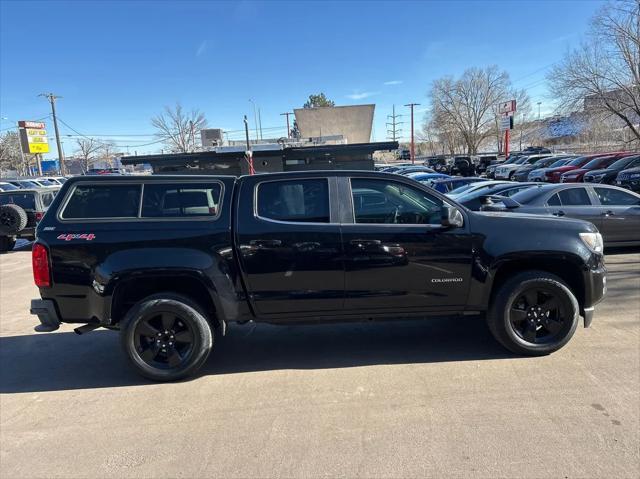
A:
(25, 200)
(384, 201)
(176, 200)
(574, 197)
(611, 197)
(295, 200)
(554, 201)
(103, 201)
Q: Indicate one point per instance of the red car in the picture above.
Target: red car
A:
(553, 175)
(577, 175)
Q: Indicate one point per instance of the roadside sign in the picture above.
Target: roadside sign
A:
(507, 106)
(33, 137)
(506, 123)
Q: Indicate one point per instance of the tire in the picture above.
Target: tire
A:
(13, 219)
(142, 337)
(525, 328)
(6, 244)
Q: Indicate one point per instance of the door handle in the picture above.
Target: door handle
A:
(363, 243)
(608, 213)
(559, 213)
(266, 243)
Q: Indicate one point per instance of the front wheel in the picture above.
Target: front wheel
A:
(534, 313)
(166, 337)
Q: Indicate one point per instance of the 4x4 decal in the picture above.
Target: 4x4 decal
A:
(83, 236)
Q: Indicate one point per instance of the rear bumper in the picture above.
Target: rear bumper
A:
(46, 311)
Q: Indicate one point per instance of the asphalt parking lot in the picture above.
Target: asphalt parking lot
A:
(411, 399)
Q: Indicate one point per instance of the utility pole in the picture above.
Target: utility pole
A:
(52, 99)
(260, 123)
(394, 131)
(288, 129)
(413, 145)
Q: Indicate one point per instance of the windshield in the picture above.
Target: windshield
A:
(528, 195)
(463, 188)
(559, 163)
(8, 187)
(596, 162)
(28, 184)
(578, 161)
(622, 162)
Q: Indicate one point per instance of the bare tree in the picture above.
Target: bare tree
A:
(603, 74)
(466, 108)
(87, 149)
(10, 157)
(178, 129)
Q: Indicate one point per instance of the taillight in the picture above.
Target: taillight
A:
(39, 215)
(40, 262)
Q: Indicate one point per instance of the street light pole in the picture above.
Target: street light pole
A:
(413, 150)
(255, 117)
(539, 103)
(52, 99)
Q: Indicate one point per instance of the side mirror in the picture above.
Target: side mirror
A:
(451, 217)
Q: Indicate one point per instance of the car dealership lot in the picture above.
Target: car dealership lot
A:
(422, 398)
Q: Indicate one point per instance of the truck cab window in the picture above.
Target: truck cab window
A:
(384, 201)
(171, 200)
(103, 201)
(305, 201)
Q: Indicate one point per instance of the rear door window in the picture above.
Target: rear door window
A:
(175, 200)
(46, 199)
(305, 201)
(25, 200)
(612, 197)
(103, 201)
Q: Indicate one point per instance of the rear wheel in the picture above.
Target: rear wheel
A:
(166, 337)
(533, 313)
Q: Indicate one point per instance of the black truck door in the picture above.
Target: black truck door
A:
(289, 245)
(397, 255)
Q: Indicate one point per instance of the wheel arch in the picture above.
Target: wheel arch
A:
(135, 287)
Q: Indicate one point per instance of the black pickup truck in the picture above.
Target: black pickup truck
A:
(169, 261)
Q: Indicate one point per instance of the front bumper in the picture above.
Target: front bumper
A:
(595, 282)
(46, 311)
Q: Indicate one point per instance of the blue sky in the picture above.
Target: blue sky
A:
(118, 63)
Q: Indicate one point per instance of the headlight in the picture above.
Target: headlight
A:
(593, 241)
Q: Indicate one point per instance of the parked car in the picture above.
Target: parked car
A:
(23, 184)
(522, 172)
(428, 178)
(629, 179)
(469, 187)
(20, 212)
(540, 173)
(575, 176)
(474, 199)
(4, 186)
(483, 162)
(395, 167)
(56, 180)
(608, 175)
(405, 170)
(614, 211)
(513, 160)
(448, 184)
(463, 166)
(507, 172)
(275, 249)
(553, 175)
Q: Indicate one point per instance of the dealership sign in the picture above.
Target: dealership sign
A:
(507, 107)
(33, 137)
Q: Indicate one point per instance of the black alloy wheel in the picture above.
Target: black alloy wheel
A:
(539, 316)
(164, 340)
